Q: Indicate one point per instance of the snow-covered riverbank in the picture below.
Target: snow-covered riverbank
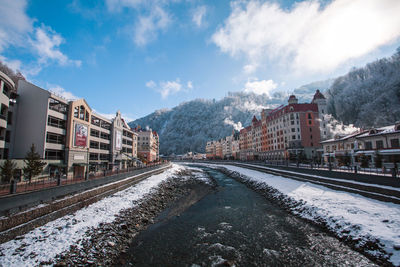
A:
(44, 243)
(350, 216)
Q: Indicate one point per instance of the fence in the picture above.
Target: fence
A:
(357, 169)
(388, 172)
(47, 182)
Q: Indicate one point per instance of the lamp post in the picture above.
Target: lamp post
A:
(87, 164)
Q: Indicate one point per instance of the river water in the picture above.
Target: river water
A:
(236, 226)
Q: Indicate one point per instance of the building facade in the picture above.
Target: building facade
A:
(71, 138)
(7, 114)
(147, 145)
(376, 147)
(290, 132)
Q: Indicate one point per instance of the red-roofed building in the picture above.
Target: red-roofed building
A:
(286, 132)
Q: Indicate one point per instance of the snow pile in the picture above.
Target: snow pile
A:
(44, 243)
(373, 225)
(198, 174)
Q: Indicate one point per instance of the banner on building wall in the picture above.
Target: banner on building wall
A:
(81, 135)
(118, 140)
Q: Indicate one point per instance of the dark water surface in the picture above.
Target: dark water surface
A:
(236, 226)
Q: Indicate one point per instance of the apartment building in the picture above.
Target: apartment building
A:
(382, 142)
(70, 137)
(287, 132)
(147, 144)
(235, 145)
(292, 130)
(7, 113)
(41, 119)
(124, 150)
(210, 150)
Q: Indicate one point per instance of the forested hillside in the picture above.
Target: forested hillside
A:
(368, 96)
(188, 126)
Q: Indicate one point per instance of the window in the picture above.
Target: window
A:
(6, 91)
(105, 125)
(8, 136)
(9, 118)
(82, 112)
(104, 156)
(368, 145)
(56, 122)
(379, 144)
(394, 143)
(76, 112)
(54, 154)
(94, 156)
(94, 144)
(293, 130)
(55, 138)
(104, 136)
(311, 137)
(310, 129)
(94, 133)
(293, 137)
(3, 112)
(58, 106)
(104, 146)
(95, 121)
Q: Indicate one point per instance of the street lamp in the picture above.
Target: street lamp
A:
(87, 164)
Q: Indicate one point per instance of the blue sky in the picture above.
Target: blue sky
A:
(137, 56)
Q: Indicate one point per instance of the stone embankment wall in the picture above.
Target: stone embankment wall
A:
(21, 222)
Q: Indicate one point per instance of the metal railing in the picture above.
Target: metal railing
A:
(317, 166)
(48, 182)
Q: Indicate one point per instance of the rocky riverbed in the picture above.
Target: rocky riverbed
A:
(369, 246)
(108, 243)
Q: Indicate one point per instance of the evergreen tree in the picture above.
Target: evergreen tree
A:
(7, 170)
(34, 166)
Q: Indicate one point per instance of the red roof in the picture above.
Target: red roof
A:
(318, 95)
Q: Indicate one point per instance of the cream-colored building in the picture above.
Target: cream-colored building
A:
(7, 113)
(147, 145)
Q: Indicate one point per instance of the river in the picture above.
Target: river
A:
(235, 226)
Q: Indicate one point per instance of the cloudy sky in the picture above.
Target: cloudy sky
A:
(138, 55)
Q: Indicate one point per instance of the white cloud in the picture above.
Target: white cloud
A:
(148, 27)
(237, 126)
(260, 87)
(17, 29)
(151, 84)
(111, 116)
(60, 91)
(46, 44)
(166, 88)
(308, 37)
(198, 15)
(252, 106)
(14, 23)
